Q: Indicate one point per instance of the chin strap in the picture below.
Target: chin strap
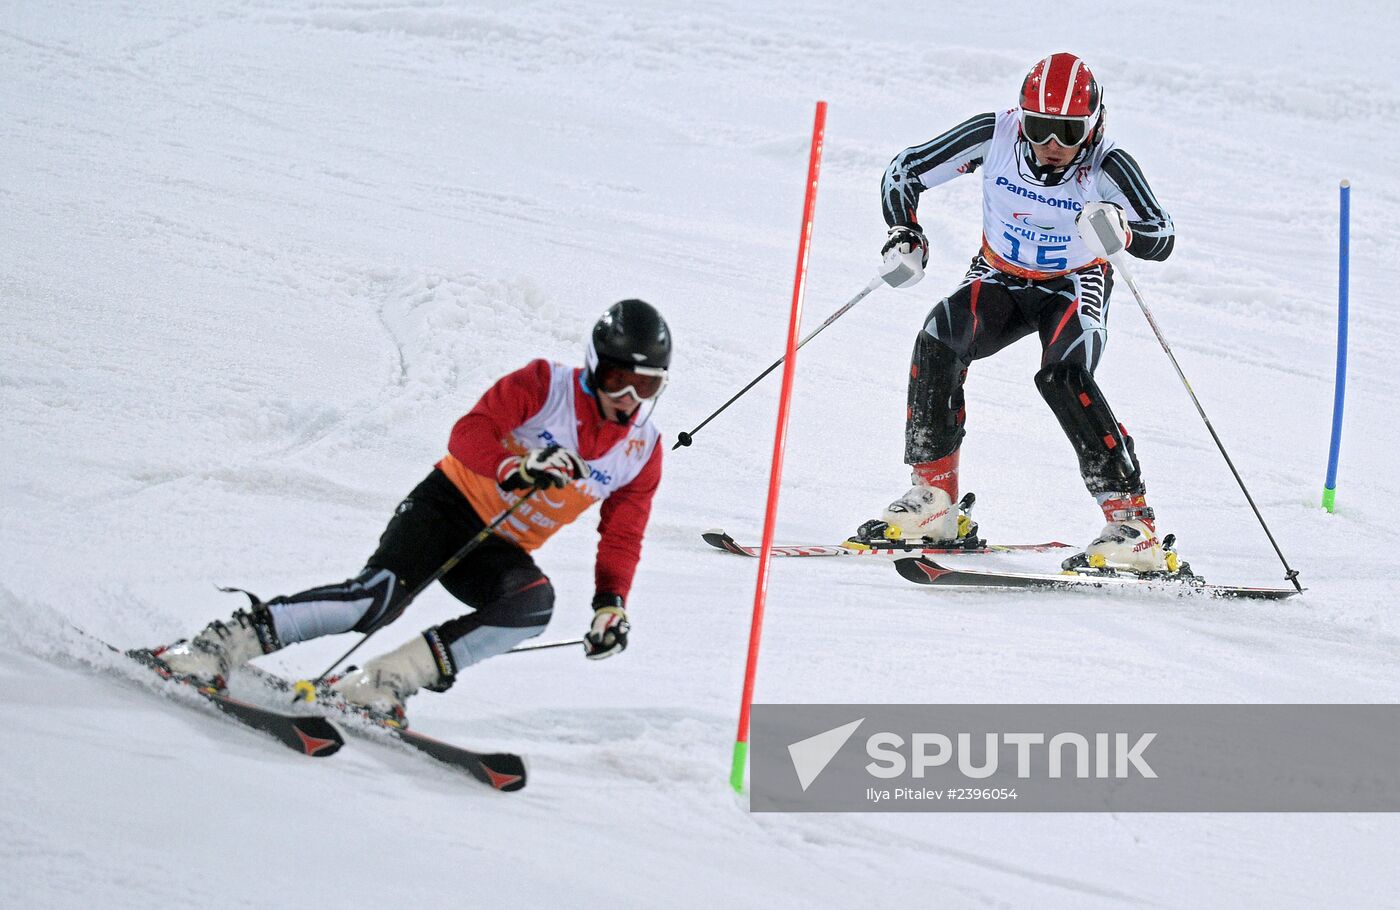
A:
(1054, 176)
(1049, 175)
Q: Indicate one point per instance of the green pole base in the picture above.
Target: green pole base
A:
(738, 766)
(1329, 499)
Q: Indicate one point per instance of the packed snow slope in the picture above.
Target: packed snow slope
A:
(258, 256)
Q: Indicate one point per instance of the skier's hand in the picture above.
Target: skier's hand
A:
(608, 634)
(1120, 235)
(906, 254)
(905, 240)
(551, 467)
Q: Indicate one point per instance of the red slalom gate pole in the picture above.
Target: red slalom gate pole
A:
(775, 475)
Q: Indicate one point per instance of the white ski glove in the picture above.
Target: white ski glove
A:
(1106, 234)
(608, 634)
(906, 254)
(551, 467)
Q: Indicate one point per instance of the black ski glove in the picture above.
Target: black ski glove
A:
(551, 467)
(904, 239)
(608, 634)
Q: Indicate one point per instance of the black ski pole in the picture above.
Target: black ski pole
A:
(685, 439)
(1099, 221)
(306, 688)
(520, 649)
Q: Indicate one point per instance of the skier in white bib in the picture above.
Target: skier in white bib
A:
(565, 439)
(1046, 167)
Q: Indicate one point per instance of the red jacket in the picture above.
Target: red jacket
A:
(486, 436)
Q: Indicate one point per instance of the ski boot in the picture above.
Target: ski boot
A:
(922, 518)
(379, 689)
(209, 657)
(1128, 544)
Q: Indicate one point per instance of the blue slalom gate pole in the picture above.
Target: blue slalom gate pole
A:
(1329, 491)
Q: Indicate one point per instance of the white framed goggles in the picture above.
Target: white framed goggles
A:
(1068, 131)
(617, 381)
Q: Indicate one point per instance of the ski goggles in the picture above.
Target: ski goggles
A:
(1068, 131)
(642, 383)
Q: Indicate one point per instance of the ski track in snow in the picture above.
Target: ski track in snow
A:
(259, 256)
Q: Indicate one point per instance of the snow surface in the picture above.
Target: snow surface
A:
(258, 256)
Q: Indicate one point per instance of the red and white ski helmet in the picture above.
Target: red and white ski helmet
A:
(1060, 97)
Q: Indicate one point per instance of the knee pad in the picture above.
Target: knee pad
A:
(1107, 461)
(525, 598)
(934, 419)
(521, 612)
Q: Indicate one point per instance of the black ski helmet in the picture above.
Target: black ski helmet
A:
(630, 334)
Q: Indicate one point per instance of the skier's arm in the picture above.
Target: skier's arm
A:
(623, 521)
(961, 150)
(1122, 183)
(477, 438)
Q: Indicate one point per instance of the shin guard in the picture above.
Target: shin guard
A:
(934, 421)
(1106, 458)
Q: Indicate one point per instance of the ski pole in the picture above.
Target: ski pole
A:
(305, 689)
(1109, 240)
(519, 649)
(685, 439)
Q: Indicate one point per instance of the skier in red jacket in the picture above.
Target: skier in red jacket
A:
(564, 436)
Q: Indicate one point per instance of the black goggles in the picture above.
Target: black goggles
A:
(1041, 128)
(615, 380)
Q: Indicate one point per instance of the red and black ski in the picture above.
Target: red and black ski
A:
(309, 734)
(501, 770)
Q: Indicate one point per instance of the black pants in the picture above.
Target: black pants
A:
(987, 312)
(429, 526)
(511, 597)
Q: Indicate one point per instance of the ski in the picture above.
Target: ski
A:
(720, 540)
(924, 571)
(309, 734)
(501, 770)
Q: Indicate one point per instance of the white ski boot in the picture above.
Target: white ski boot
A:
(382, 685)
(926, 514)
(1129, 541)
(221, 647)
(922, 511)
(931, 516)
